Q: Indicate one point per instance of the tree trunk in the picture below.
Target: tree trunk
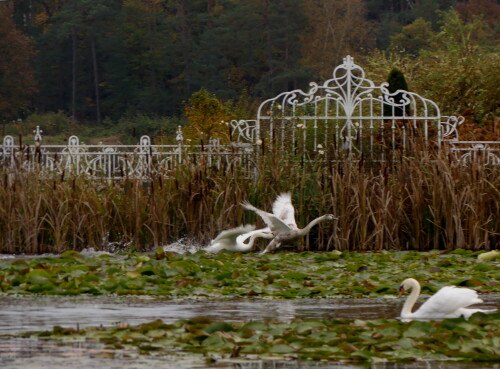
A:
(185, 37)
(73, 77)
(269, 48)
(96, 80)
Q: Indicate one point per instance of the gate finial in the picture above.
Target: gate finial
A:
(348, 61)
(38, 134)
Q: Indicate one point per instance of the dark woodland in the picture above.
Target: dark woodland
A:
(97, 62)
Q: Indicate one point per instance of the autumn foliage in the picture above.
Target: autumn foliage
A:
(208, 117)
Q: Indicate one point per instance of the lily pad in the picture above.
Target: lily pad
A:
(219, 327)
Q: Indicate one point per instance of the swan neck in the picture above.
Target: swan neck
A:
(410, 301)
(255, 235)
(308, 227)
(252, 240)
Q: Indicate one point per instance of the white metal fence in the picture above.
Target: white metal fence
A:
(346, 113)
(142, 161)
(351, 113)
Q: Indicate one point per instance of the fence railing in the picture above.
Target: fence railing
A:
(347, 113)
(141, 161)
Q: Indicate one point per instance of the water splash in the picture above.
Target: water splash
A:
(183, 246)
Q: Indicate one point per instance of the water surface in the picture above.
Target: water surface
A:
(28, 313)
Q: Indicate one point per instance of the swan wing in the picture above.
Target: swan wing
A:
(448, 302)
(284, 210)
(263, 232)
(466, 313)
(272, 221)
(228, 237)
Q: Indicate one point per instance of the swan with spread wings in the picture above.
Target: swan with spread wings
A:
(281, 221)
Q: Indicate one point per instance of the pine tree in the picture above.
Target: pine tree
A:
(396, 81)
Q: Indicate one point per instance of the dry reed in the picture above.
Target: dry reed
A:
(428, 201)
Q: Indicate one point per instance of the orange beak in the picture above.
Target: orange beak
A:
(401, 290)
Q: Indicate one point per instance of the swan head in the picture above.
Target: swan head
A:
(407, 284)
(330, 217)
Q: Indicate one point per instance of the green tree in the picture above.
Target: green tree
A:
(73, 55)
(282, 24)
(139, 68)
(459, 73)
(17, 82)
(414, 37)
(391, 16)
(335, 29)
(240, 32)
(467, 72)
(396, 81)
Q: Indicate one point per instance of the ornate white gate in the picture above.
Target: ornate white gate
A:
(347, 114)
(350, 113)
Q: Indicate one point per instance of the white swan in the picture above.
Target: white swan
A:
(235, 239)
(448, 302)
(282, 222)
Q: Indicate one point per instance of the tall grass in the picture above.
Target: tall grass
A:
(428, 201)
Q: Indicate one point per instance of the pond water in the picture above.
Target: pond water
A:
(28, 313)
(35, 313)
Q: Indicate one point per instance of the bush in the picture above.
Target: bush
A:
(458, 73)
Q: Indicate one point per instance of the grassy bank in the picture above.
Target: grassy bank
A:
(419, 203)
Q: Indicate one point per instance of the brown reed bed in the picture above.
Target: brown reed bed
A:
(427, 201)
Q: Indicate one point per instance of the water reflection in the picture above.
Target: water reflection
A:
(24, 313)
(27, 313)
(27, 353)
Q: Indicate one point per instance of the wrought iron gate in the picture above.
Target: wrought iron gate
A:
(347, 113)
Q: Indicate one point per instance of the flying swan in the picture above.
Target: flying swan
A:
(448, 302)
(235, 239)
(282, 222)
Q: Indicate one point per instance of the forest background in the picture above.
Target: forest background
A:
(112, 70)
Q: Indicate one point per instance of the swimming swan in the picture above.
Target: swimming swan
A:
(448, 302)
(282, 222)
(235, 239)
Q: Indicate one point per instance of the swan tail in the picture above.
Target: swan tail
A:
(466, 313)
(488, 311)
(212, 249)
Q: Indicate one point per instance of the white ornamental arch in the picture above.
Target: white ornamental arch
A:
(348, 111)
